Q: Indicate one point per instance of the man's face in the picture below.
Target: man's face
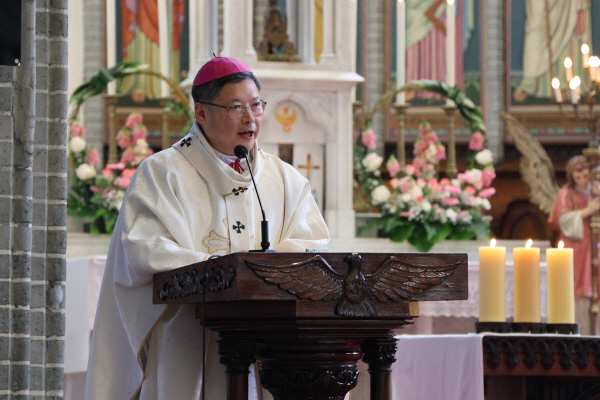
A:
(582, 178)
(222, 132)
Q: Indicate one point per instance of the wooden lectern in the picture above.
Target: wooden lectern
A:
(309, 317)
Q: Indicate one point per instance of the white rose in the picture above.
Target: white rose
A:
(405, 197)
(431, 151)
(372, 162)
(415, 192)
(476, 174)
(141, 147)
(485, 203)
(455, 182)
(426, 205)
(380, 194)
(77, 144)
(85, 171)
(484, 157)
(451, 214)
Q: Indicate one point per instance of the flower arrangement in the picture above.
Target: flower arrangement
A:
(98, 191)
(415, 204)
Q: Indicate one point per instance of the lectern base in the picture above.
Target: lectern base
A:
(315, 359)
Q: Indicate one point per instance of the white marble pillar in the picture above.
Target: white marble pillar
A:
(291, 15)
(164, 47)
(249, 50)
(204, 28)
(328, 53)
(111, 41)
(306, 32)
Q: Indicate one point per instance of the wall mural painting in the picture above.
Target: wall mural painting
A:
(138, 40)
(426, 55)
(543, 33)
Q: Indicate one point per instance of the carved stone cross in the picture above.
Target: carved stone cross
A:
(308, 166)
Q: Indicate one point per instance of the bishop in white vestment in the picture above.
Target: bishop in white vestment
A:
(183, 205)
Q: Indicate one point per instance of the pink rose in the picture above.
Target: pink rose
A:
(118, 165)
(134, 119)
(77, 129)
(487, 192)
(124, 139)
(464, 177)
(441, 153)
(452, 189)
(470, 190)
(92, 157)
(418, 163)
(477, 141)
(404, 185)
(393, 167)
(139, 133)
(368, 139)
(444, 181)
(107, 173)
(96, 189)
(394, 182)
(450, 201)
(123, 182)
(488, 175)
(405, 214)
(421, 182)
(419, 148)
(128, 157)
(409, 169)
(128, 173)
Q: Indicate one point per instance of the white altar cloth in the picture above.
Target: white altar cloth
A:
(434, 367)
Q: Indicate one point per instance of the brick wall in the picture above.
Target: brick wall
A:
(33, 189)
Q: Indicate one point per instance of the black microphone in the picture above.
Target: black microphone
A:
(241, 151)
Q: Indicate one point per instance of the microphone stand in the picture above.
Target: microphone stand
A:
(241, 151)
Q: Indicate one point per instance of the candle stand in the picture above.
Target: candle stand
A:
(400, 111)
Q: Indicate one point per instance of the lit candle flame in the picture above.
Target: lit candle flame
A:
(575, 82)
(594, 61)
(568, 63)
(493, 243)
(561, 244)
(450, 2)
(555, 83)
(400, 1)
(528, 244)
(585, 49)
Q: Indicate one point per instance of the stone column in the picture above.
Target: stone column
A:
(33, 159)
(495, 78)
(92, 112)
(328, 53)
(375, 76)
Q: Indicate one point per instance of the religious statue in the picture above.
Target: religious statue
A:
(571, 217)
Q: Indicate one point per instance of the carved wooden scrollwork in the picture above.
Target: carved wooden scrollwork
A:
(237, 357)
(393, 280)
(380, 353)
(190, 283)
(542, 350)
(306, 384)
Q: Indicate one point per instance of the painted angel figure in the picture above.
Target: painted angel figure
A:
(571, 217)
(570, 208)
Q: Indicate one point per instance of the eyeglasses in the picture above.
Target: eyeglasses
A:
(236, 112)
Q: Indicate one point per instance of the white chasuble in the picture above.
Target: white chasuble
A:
(183, 205)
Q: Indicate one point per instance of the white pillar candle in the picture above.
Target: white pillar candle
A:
(561, 293)
(400, 49)
(450, 45)
(585, 51)
(111, 41)
(492, 283)
(527, 283)
(556, 87)
(164, 46)
(569, 68)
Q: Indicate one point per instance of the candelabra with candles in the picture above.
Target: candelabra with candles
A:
(585, 111)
